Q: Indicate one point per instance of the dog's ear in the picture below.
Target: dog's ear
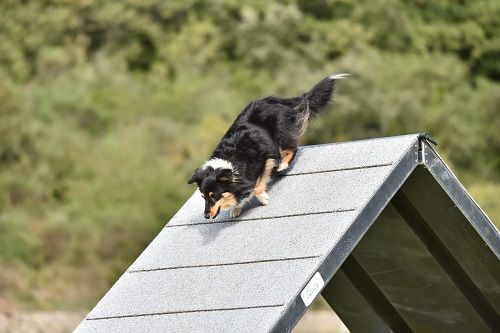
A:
(225, 175)
(196, 177)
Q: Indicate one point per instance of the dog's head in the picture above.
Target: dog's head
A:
(215, 180)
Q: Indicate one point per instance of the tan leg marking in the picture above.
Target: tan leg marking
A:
(214, 209)
(225, 203)
(264, 179)
(228, 201)
(260, 187)
(286, 157)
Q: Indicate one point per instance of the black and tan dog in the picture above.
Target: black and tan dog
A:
(262, 140)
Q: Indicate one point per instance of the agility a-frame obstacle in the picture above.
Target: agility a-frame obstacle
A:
(381, 228)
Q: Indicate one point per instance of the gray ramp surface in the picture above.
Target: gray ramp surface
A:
(244, 275)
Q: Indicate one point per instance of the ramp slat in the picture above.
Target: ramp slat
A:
(202, 289)
(217, 321)
(345, 155)
(230, 242)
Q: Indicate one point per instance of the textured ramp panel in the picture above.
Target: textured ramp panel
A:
(245, 241)
(205, 288)
(229, 321)
(354, 154)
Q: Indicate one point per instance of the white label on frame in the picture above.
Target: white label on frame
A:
(312, 289)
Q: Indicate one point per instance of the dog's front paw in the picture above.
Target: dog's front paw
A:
(283, 166)
(236, 212)
(263, 198)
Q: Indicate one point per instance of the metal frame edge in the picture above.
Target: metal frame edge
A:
(462, 199)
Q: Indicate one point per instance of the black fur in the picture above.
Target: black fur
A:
(259, 132)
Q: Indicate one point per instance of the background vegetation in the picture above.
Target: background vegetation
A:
(107, 106)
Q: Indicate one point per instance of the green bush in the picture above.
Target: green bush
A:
(106, 108)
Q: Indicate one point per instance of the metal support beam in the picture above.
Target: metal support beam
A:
(447, 261)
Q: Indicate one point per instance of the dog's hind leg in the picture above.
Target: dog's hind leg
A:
(260, 187)
(287, 139)
(286, 156)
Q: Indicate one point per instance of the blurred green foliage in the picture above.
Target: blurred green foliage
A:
(107, 106)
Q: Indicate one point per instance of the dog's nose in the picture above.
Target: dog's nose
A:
(207, 215)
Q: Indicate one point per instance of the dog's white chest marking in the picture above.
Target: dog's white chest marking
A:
(218, 163)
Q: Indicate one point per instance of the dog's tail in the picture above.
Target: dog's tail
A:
(316, 99)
